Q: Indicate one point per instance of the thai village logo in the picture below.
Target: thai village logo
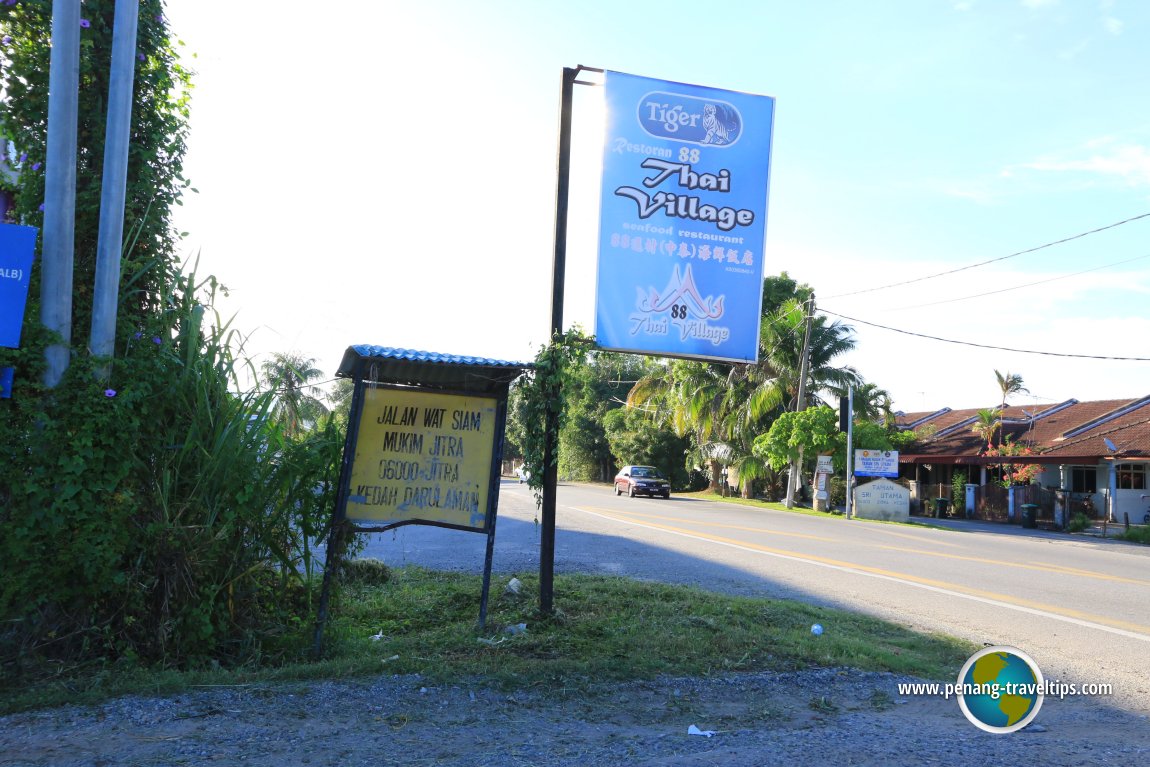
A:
(707, 122)
(690, 313)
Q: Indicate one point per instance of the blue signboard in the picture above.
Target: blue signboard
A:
(683, 219)
(17, 247)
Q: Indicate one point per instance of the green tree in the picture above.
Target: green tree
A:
(793, 435)
(872, 403)
(159, 515)
(298, 404)
(159, 128)
(986, 425)
(1008, 383)
(636, 439)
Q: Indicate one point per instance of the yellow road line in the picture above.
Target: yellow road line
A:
(1125, 628)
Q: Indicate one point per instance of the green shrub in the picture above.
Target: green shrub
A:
(147, 516)
(1078, 522)
(1137, 534)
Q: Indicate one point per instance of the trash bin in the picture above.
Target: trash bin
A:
(1030, 515)
(940, 505)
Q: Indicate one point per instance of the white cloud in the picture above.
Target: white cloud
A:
(1103, 157)
(1039, 3)
(1112, 25)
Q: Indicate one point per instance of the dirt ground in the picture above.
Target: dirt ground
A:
(819, 716)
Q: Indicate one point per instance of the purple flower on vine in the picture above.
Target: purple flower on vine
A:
(7, 40)
(109, 393)
(159, 19)
(35, 166)
(41, 207)
(84, 24)
(156, 340)
(141, 57)
(23, 157)
(9, 2)
(138, 334)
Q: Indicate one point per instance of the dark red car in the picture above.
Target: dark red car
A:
(642, 480)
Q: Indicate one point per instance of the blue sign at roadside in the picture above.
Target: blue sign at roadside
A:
(17, 249)
(683, 219)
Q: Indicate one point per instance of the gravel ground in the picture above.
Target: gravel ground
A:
(824, 716)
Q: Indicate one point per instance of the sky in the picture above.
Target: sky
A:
(384, 173)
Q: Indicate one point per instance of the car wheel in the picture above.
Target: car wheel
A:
(631, 492)
(667, 496)
(617, 490)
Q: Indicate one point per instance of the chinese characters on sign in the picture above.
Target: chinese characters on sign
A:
(683, 217)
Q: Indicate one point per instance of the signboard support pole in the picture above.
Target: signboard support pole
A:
(337, 536)
(550, 468)
(487, 576)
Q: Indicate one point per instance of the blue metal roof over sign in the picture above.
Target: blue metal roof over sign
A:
(387, 364)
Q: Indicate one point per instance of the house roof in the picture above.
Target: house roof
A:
(1069, 431)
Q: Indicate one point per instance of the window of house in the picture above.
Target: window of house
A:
(1132, 476)
(1084, 479)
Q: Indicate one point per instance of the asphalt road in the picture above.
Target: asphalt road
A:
(1077, 606)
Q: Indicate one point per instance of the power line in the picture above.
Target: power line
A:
(1019, 287)
(987, 346)
(994, 260)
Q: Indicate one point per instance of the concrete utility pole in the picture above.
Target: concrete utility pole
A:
(850, 454)
(60, 186)
(800, 404)
(106, 297)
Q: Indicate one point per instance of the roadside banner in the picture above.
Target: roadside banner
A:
(17, 249)
(876, 463)
(683, 219)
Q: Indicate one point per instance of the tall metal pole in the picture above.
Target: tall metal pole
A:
(106, 297)
(60, 186)
(800, 404)
(850, 442)
(550, 447)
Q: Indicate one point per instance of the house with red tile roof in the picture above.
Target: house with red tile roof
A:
(1084, 448)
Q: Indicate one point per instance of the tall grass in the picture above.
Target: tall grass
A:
(161, 515)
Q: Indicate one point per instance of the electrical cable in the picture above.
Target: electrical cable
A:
(993, 260)
(1019, 287)
(987, 346)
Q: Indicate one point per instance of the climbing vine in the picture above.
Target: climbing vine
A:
(544, 392)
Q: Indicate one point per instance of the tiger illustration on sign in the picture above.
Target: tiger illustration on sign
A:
(718, 132)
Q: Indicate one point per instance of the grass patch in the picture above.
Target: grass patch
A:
(1139, 534)
(604, 628)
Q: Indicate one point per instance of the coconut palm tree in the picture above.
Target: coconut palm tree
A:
(986, 425)
(873, 404)
(297, 401)
(1009, 383)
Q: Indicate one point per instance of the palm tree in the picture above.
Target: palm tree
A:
(986, 425)
(873, 404)
(1009, 383)
(297, 402)
(692, 398)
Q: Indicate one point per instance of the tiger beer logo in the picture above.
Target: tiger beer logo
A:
(685, 118)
